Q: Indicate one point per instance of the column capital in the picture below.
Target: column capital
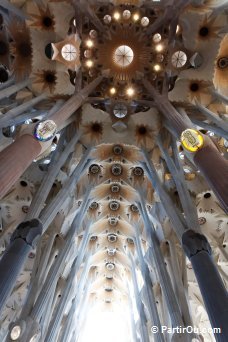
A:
(29, 231)
(32, 131)
(194, 243)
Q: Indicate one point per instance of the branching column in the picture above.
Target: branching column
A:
(15, 159)
(149, 295)
(139, 304)
(22, 241)
(210, 283)
(208, 159)
(74, 102)
(13, 113)
(13, 89)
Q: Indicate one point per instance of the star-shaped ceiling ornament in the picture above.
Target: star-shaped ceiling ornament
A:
(42, 19)
(20, 48)
(221, 69)
(68, 52)
(198, 89)
(45, 81)
(209, 29)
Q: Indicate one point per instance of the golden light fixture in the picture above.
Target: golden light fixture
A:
(116, 15)
(157, 67)
(192, 140)
(130, 91)
(113, 91)
(159, 47)
(136, 17)
(89, 43)
(89, 63)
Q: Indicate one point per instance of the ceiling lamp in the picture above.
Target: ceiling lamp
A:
(126, 14)
(94, 168)
(116, 15)
(130, 91)
(107, 19)
(117, 149)
(145, 21)
(157, 67)
(111, 251)
(130, 240)
(93, 238)
(123, 56)
(113, 221)
(113, 91)
(113, 205)
(138, 171)
(116, 169)
(94, 205)
(109, 289)
(112, 238)
(179, 59)
(15, 332)
(120, 111)
(110, 266)
(69, 52)
(89, 43)
(159, 47)
(89, 63)
(222, 62)
(136, 17)
(109, 276)
(93, 34)
(134, 208)
(192, 140)
(115, 188)
(157, 37)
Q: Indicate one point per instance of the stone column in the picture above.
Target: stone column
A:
(13, 89)
(68, 323)
(75, 102)
(15, 159)
(13, 113)
(6, 4)
(139, 304)
(215, 169)
(54, 325)
(22, 241)
(208, 159)
(51, 210)
(210, 283)
(41, 195)
(154, 253)
(7, 83)
(149, 294)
